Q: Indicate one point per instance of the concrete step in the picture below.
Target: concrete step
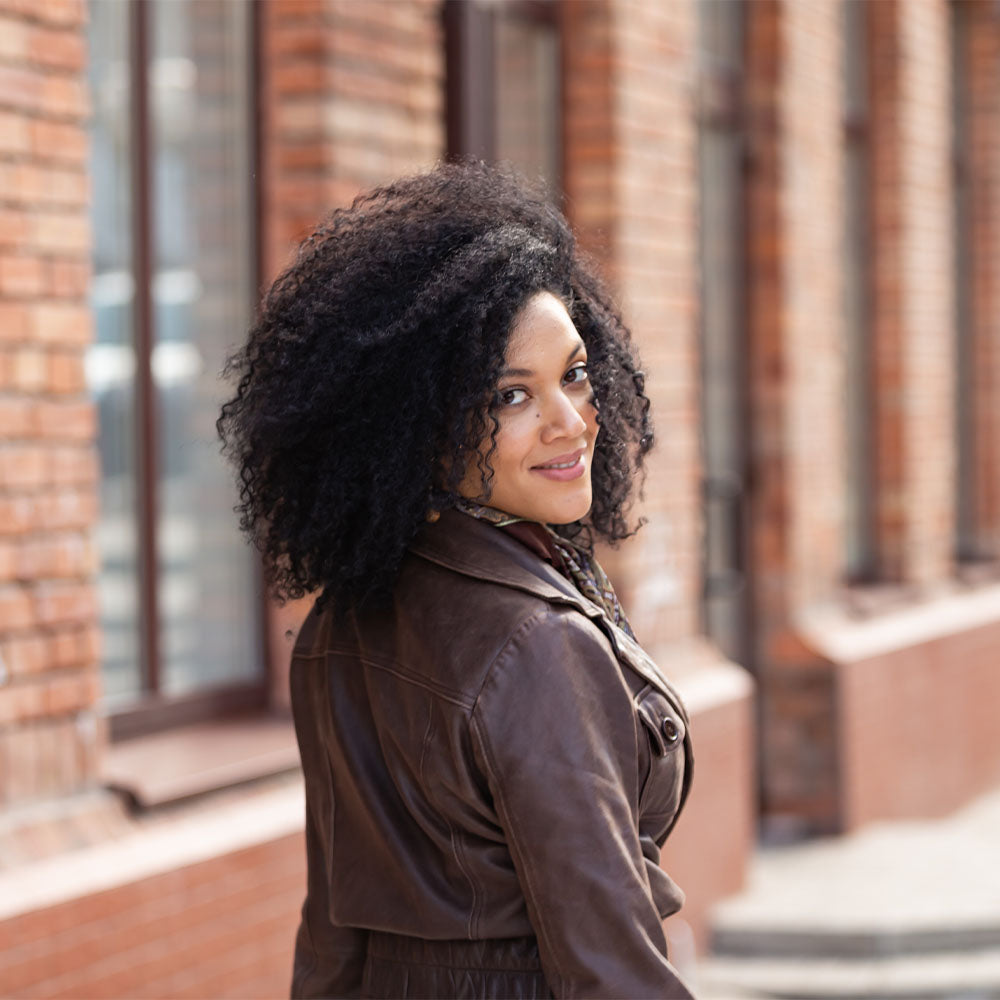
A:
(733, 939)
(900, 910)
(935, 976)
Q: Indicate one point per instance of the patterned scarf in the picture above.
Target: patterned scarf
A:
(581, 568)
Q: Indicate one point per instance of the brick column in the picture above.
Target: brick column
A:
(631, 195)
(913, 298)
(49, 655)
(351, 96)
(630, 185)
(795, 205)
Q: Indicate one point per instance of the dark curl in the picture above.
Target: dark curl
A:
(365, 385)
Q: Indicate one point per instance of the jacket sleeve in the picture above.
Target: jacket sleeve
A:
(556, 737)
(329, 959)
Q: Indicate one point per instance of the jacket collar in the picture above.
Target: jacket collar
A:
(478, 549)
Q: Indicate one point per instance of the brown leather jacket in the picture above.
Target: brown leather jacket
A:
(490, 769)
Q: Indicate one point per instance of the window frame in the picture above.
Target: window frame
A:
(151, 710)
(470, 28)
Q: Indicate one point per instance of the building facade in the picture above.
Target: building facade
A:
(797, 203)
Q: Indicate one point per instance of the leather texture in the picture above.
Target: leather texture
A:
(491, 767)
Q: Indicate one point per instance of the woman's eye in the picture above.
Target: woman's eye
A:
(578, 373)
(511, 397)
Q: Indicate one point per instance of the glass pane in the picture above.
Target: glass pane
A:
(202, 281)
(858, 402)
(721, 266)
(528, 97)
(110, 361)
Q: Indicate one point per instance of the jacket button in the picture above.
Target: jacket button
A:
(670, 731)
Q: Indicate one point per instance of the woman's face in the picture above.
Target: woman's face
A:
(548, 422)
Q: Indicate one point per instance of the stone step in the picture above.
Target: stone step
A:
(935, 976)
(733, 938)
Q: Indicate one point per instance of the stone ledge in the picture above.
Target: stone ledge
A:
(166, 842)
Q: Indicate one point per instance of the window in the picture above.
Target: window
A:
(725, 595)
(173, 222)
(973, 127)
(505, 84)
(861, 557)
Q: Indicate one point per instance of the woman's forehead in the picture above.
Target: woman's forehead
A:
(542, 334)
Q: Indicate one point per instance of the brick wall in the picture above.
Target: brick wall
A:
(49, 684)
(221, 928)
(913, 297)
(630, 186)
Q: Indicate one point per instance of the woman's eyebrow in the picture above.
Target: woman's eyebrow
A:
(528, 373)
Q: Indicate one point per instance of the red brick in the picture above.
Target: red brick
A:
(15, 131)
(21, 183)
(26, 654)
(20, 88)
(14, 228)
(21, 702)
(56, 557)
(17, 515)
(21, 466)
(72, 465)
(66, 421)
(14, 40)
(69, 324)
(15, 322)
(58, 141)
(64, 695)
(28, 368)
(65, 96)
(8, 573)
(66, 508)
(63, 13)
(69, 279)
(20, 276)
(55, 49)
(16, 610)
(66, 372)
(65, 648)
(64, 602)
(17, 418)
(64, 234)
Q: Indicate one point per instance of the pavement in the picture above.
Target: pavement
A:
(907, 909)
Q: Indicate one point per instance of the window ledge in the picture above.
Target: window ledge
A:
(188, 761)
(844, 637)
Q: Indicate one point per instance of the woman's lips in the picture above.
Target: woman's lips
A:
(573, 467)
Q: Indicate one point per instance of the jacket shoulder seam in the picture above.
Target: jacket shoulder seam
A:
(392, 667)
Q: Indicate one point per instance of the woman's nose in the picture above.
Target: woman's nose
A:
(562, 419)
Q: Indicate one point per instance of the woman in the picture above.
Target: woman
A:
(438, 410)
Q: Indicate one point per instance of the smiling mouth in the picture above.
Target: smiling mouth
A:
(562, 463)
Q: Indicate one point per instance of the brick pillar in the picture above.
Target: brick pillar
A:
(795, 206)
(913, 296)
(49, 656)
(352, 96)
(630, 186)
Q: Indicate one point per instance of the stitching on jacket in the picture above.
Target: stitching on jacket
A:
(523, 627)
(390, 666)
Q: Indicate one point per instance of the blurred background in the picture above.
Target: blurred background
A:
(797, 204)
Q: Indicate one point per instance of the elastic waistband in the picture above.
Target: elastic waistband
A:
(500, 954)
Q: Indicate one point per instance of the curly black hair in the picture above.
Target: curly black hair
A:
(366, 384)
